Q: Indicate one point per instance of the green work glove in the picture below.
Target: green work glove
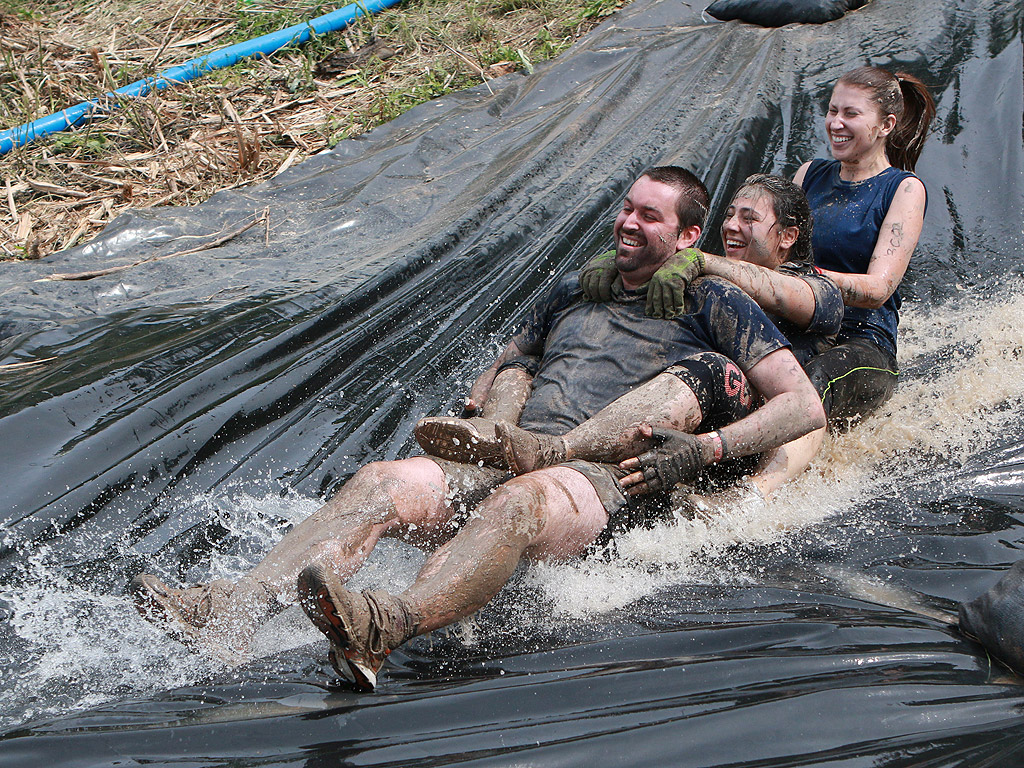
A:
(666, 293)
(597, 276)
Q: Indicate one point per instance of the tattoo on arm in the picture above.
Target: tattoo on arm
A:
(853, 295)
(896, 239)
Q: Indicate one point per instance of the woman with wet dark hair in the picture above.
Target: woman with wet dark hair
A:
(868, 211)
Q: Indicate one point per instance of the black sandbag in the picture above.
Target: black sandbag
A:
(996, 618)
(778, 13)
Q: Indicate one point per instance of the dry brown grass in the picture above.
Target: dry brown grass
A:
(235, 126)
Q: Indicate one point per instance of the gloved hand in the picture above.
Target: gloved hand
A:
(666, 294)
(677, 458)
(597, 276)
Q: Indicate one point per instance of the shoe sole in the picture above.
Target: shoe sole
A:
(315, 599)
(459, 440)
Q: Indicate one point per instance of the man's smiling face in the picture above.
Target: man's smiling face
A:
(646, 230)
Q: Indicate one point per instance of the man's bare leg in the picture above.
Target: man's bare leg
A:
(507, 396)
(381, 499)
(551, 514)
(614, 433)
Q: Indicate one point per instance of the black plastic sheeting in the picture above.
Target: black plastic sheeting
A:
(183, 410)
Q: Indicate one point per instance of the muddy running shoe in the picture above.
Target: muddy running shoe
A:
(470, 441)
(362, 627)
(219, 617)
(528, 451)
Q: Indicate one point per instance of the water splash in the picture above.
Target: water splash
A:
(961, 390)
(73, 647)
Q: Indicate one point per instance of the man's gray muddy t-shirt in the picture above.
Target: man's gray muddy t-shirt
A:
(593, 353)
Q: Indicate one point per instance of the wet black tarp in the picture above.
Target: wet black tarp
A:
(271, 367)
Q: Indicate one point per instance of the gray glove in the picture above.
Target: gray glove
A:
(678, 458)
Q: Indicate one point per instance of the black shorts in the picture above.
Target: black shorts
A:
(721, 389)
(853, 378)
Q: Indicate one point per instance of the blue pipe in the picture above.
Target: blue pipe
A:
(225, 57)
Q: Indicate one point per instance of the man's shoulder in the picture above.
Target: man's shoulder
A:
(568, 284)
(718, 289)
(563, 292)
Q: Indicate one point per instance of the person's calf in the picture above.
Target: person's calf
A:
(379, 500)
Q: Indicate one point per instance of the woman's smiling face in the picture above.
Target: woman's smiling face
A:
(750, 231)
(854, 123)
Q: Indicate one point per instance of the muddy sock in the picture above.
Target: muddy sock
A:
(528, 451)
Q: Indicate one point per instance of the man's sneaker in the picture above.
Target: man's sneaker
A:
(528, 451)
(362, 627)
(219, 617)
(470, 441)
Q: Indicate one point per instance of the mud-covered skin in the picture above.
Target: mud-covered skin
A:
(591, 353)
(551, 514)
(701, 393)
(509, 392)
(500, 391)
(405, 499)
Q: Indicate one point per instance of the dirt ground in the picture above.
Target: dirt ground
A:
(234, 126)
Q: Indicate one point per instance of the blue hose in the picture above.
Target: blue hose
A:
(225, 57)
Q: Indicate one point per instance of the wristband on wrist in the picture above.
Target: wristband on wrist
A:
(718, 446)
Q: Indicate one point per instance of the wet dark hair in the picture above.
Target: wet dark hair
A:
(789, 203)
(908, 99)
(694, 201)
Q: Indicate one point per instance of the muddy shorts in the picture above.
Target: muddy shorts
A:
(721, 389)
(469, 484)
(624, 512)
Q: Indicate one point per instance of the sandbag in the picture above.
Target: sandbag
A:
(778, 13)
(996, 618)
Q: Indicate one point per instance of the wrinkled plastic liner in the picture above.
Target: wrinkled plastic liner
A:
(395, 266)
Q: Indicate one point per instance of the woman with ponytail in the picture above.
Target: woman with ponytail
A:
(868, 211)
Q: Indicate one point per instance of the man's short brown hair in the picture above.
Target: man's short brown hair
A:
(693, 202)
